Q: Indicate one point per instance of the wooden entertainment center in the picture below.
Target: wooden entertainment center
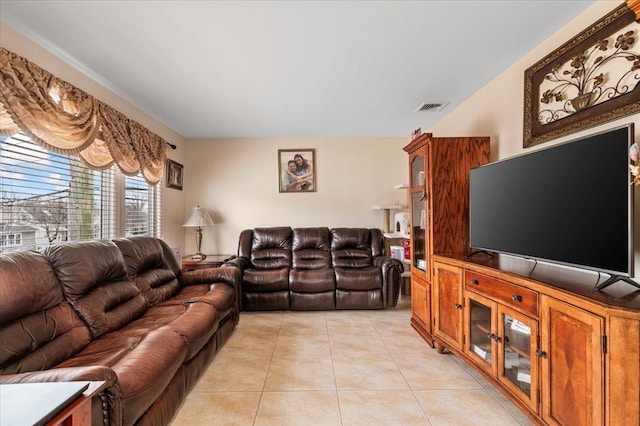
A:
(563, 352)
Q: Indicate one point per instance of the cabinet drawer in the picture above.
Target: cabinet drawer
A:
(508, 294)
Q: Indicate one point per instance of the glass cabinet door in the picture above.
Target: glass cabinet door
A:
(481, 332)
(417, 171)
(418, 212)
(519, 364)
(418, 231)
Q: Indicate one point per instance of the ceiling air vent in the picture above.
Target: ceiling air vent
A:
(432, 106)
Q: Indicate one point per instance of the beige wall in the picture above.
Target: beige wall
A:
(237, 181)
(497, 109)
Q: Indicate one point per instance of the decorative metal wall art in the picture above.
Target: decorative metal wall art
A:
(591, 79)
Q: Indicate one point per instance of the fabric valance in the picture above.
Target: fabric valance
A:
(60, 117)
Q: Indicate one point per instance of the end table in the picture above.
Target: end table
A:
(211, 261)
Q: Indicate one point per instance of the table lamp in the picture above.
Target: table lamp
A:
(199, 218)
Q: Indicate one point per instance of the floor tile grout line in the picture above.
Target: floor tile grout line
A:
(426, 415)
(266, 376)
(333, 369)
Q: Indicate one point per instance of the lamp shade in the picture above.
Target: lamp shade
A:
(199, 218)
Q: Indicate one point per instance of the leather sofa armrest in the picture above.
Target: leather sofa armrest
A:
(68, 374)
(239, 262)
(392, 270)
(224, 274)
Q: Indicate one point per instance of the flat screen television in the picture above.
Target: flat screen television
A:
(569, 204)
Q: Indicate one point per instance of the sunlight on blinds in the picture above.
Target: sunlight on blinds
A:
(48, 198)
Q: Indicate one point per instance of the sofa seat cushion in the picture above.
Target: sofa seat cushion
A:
(312, 280)
(358, 279)
(144, 363)
(194, 322)
(312, 289)
(265, 280)
(38, 328)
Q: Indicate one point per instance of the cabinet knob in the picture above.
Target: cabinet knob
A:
(516, 298)
(458, 306)
(496, 338)
(475, 282)
(540, 353)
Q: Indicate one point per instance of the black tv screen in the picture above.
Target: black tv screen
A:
(569, 204)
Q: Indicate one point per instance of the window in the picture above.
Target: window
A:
(48, 198)
(9, 240)
(142, 208)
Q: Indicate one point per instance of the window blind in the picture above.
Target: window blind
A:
(48, 198)
(142, 207)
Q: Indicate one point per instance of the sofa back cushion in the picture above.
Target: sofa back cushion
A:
(146, 265)
(352, 247)
(311, 248)
(271, 248)
(94, 280)
(38, 328)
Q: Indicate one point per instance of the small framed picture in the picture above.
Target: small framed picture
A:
(296, 170)
(174, 175)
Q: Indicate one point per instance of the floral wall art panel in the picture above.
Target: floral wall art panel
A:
(591, 79)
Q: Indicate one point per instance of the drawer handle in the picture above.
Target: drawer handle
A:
(475, 282)
(516, 298)
(458, 306)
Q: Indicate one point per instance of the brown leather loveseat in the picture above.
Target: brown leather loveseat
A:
(118, 311)
(316, 269)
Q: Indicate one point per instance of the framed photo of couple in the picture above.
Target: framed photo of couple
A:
(296, 170)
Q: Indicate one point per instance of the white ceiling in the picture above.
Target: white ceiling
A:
(231, 69)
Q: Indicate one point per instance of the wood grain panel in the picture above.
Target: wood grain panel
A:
(448, 315)
(573, 366)
(623, 369)
(421, 303)
(452, 160)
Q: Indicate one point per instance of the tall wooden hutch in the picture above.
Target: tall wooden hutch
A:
(438, 200)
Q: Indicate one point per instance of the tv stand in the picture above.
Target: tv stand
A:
(473, 253)
(616, 278)
(535, 336)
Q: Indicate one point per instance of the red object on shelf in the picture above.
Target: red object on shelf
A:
(406, 243)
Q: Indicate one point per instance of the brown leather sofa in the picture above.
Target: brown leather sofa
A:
(316, 269)
(118, 311)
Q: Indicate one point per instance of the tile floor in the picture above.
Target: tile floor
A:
(340, 368)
